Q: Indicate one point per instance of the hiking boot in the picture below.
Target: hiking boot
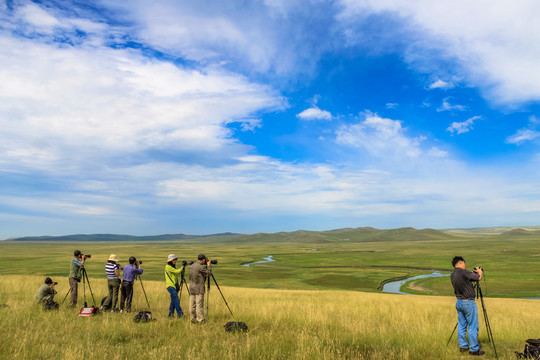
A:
(463, 349)
(477, 352)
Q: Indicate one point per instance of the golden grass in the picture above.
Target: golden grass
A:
(283, 325)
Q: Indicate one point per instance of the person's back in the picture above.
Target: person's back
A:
(196, 278)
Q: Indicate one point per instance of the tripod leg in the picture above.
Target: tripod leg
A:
(144, 292)
(207, 298)
(450, 338)
(69, 291)
(486, 320)
(215, 282)
(90, 288)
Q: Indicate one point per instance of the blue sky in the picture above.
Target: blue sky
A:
(275, 115)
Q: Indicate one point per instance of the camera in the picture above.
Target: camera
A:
(87, 256)
(54, 283)
(478, 267)
(213, 262)
(139, 261)
(184, 263)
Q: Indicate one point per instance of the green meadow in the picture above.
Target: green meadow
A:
(319, 299)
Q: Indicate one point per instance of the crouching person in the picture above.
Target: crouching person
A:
(45, 295)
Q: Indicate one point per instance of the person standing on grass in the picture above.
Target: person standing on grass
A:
(130, 271)
(112, 270)
(75, 275)
(198, 273)
(171, 279)
(465, 305)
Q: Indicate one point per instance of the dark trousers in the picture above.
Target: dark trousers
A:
(112, 298)
(127, 295)
(73, 286)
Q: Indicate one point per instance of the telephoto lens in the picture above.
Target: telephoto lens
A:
(213, 262)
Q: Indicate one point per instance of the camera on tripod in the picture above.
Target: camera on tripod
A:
(184, 262)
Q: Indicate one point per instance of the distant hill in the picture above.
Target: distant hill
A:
(361, 234)
(115, 237)
(496, 230)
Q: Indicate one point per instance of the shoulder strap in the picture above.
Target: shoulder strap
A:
(166, 273)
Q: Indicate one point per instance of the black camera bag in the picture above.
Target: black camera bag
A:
(143, 316)
(234, 326)
(50, 304)
(531, 350)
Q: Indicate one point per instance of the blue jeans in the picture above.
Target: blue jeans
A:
(467, 317)
(175, 303)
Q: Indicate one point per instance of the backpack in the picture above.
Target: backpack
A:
(50, 304)
(531, 350)
(108, 307)
(143, 316)
(234, 326)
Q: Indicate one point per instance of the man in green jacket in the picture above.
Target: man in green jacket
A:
(198, 273)
(75, 275)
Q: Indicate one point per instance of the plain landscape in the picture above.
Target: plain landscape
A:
(318, 299)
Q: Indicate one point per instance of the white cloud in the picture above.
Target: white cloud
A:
(314, 113)
(446, 106)
(523, 135)
(464, 126)
(440, 84)
(392, 105)
(380, 137)
(494, 50)
(59, 106)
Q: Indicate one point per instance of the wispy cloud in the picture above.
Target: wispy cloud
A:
(523, 135)
(446, 106)
(464, 126)
(380, 137)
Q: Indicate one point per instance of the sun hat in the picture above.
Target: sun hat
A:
(171, 257)
(113, 257)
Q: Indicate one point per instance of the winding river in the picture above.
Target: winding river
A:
(266, 260)
(394, 287)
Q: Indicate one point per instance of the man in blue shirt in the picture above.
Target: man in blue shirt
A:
(130, 271)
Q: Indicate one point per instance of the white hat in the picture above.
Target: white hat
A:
(113, 257)
(171, 257)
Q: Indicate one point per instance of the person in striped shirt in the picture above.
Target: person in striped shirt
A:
(112, 269)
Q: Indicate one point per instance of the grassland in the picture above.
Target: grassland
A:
(308, 304)
(284, 324)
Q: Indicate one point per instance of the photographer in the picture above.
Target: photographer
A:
(198, 273)
(466, 307)
(171, 279)
(46, 291)
(75, 274)
(130, 271)
(112, 269)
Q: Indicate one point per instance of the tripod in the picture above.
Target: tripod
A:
(486, 319)
(183, 282)
(208, 295)
(142, 286)
(84, 280)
